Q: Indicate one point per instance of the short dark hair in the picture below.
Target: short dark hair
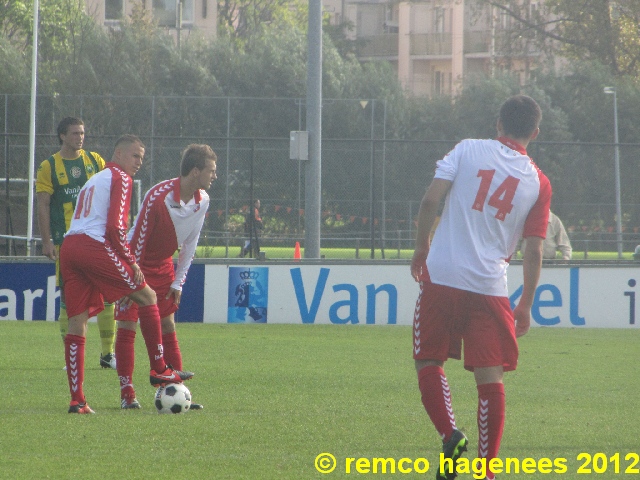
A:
(128, 139)
(195, 156)
(520, 116)
(64, 125)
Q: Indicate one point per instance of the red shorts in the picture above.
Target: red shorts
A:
(92, 273)
(159, 277)
(446, 318)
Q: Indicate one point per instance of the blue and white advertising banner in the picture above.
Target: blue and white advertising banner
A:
(28, 291)
(386, 295)
(342, 294)
(248, 295)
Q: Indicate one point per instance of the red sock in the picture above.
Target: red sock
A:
(152, 333)
(125, 354)
(436, 398)
(491, 408)
(172, 353)
(74, 357)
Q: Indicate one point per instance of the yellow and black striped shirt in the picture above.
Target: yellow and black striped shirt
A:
(64, 185)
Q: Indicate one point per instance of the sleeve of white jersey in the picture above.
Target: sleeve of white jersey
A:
(447, 168)
(188, 249)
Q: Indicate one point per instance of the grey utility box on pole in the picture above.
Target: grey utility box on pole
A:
(299, 145)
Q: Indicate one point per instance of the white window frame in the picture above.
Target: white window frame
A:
(170, 10)
(112, 19)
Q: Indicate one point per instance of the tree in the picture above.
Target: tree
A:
(606, 31)
(62, 31)
(14, 72)
(16, 19)
(241, 19)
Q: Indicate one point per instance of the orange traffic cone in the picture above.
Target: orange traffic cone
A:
(296, 252)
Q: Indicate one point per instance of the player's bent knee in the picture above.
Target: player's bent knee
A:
(78, 324)
(488, 374)
(420, 364)
(168, 325)
(127, 325)
(144, 297)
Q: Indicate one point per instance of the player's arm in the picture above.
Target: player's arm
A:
(185, 257)
(137, 235)
(535, 231)
(426, 217)
(117, 218)
(176, 294)
(138, 276)
(99, 160)
(44, 223)
(186, 254)
(531, 265)
(44, 190)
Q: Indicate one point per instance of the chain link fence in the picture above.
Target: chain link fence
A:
(371, 185)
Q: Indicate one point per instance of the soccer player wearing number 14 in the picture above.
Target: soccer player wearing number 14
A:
(96, 264)
(494, 195)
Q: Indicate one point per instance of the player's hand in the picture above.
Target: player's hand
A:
(417, 263)
(49, 251)
(138, 276)
(522, 317)
(177, 294)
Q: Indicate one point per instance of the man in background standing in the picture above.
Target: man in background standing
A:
(557, 240)
(251, 227)
(59, 179)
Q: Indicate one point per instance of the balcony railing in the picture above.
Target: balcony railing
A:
(477, 42)
(385, 45)
(431, 44)
(438, 44)
(507, 42)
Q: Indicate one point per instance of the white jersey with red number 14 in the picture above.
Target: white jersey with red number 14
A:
(497, 195)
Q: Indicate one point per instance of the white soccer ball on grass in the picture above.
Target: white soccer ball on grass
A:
(173, 398)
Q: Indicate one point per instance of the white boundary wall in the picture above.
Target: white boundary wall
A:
(386, 294)
(340, 293)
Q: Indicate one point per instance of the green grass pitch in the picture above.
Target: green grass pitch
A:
(276, 396)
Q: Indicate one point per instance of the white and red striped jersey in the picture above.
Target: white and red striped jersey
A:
(102, 209)
(497, 195)
(164, 224)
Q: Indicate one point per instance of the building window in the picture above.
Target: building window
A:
(165, 12)
(391, 21)
(534, 17)
(438, 20)
(437, 83)
(113, 9)
(505, 21)
(188, 11)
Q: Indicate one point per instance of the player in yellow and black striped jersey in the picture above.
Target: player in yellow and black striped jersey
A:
(60, 177)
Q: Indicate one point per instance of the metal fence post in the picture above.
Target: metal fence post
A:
(153, 136)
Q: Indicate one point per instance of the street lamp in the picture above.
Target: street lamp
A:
(612, 91)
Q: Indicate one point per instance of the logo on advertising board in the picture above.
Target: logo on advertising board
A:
(248, 295)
